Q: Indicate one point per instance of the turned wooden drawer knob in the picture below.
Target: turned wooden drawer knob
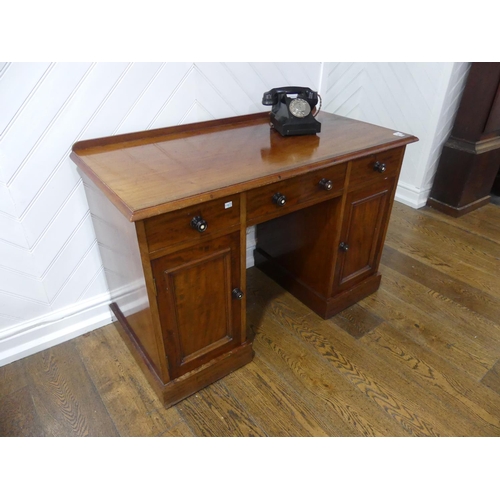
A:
(279, 199)
(379, 167)
(199, 224)
(344, 246)
(237, 294)
(326, 184)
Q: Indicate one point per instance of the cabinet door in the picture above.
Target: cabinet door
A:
(363, 232)
(199, 315)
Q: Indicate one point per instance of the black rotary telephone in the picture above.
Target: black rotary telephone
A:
(293, 115)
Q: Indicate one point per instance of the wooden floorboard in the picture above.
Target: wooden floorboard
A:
(456, 389)
(18, 416)
(390, 391)
(420, 357)
(215, 411)
(343, 410)
(479, 336)
(12, 378)
(406, 314)
(65, 400)
(442, 255)
(115, 375)
(275, 407)
(492, 378)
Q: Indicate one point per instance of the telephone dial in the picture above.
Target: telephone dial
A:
(293, 115)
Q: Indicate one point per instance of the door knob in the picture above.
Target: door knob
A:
(344, 246)
(326, 184)
(199, 224)
(279, 199)
(237, 293)
(379, 167)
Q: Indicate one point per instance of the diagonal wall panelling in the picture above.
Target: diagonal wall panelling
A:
(28, 132)
(344, 84)
(17, 84)
(154, 96)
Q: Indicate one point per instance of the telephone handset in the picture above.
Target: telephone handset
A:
(293, 115)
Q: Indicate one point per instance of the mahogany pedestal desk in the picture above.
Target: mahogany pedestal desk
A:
(171, 208)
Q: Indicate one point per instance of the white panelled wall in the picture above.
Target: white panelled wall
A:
(52, 282)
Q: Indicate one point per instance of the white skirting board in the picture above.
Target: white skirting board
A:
(51, 329)
(411, 195)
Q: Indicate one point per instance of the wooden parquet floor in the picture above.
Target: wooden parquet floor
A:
(420, 357)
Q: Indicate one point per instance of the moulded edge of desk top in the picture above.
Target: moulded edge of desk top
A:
(110, 143)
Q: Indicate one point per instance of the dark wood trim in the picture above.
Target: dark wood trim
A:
(474, 147)
(477, 100)
(457, 211)
(470, 157)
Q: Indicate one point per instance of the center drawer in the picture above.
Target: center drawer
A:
(176, 227)
(281, 197)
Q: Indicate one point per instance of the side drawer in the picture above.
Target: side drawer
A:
(175, 227)
(375, 167)
(262, 203)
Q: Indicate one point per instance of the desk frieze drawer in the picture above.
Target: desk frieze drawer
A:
(283, 196)
(375, 167)
(193, 223)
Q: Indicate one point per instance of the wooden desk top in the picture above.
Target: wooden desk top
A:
(157, 171)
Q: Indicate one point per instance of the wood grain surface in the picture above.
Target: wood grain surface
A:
(159, 171)
(420, 357)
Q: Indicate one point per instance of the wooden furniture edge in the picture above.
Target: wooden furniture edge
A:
(186, 385)
(128, 336)
(130, 139)
(234, 189)
(479, 147)
(151, 292)
(107, 191)
(243, 263)
(178, 389)
(352, 296)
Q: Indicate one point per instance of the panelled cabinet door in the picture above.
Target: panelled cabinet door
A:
(362, 235)
(199, 313)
